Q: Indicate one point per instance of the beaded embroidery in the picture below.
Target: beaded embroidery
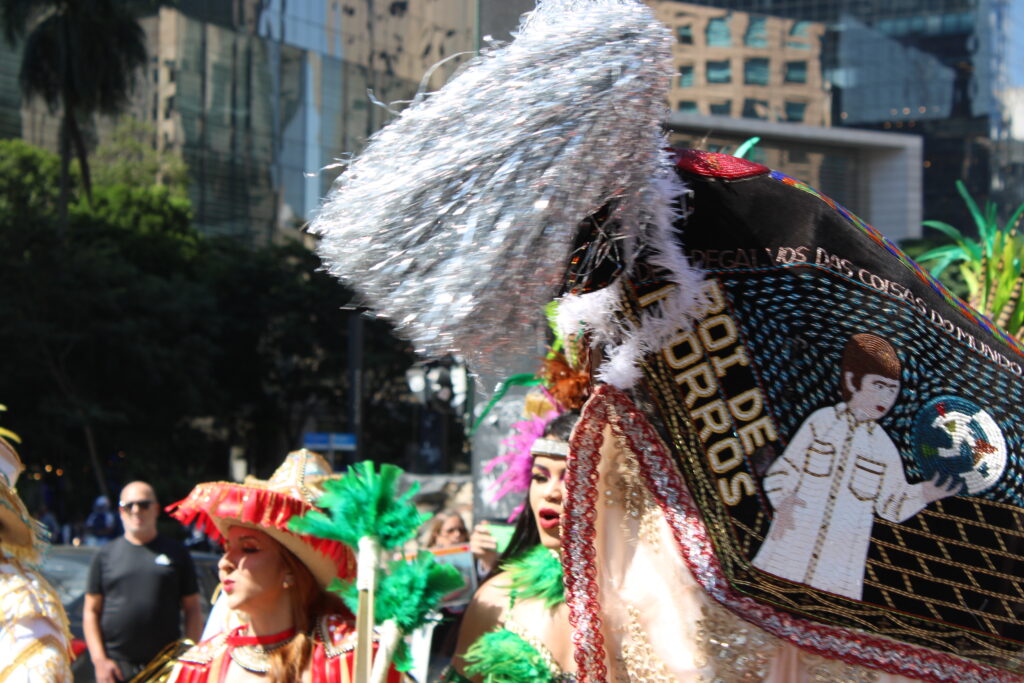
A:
(834, 671)
(736, 651)
(641, 662)
(533, 641)
(609, 406)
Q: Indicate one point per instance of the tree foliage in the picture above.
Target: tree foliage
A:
(80, 57)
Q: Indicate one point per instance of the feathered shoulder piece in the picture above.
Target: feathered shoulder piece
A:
(536, 574)
(504, 657)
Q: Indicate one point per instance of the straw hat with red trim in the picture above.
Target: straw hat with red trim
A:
(268, 506)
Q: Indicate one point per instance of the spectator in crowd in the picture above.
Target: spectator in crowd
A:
(49, 520)
(138, 586)
(100, 525)
(447, 529)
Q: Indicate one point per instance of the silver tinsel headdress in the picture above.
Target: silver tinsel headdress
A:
(457, 221)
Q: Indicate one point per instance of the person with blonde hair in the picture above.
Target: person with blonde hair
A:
(34, 636)
(446, 529)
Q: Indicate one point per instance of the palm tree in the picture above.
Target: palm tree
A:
(80, 57)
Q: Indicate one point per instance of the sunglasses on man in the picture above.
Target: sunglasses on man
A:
(141, 505)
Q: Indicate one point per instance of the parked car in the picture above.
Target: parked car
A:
(66, 567)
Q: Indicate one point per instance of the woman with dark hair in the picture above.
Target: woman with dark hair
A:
(275, 580)
(517, 626)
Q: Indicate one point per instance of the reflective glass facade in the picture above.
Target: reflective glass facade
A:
(263, 99)
(942, 69)
(259, 96)
(10, 100)
(759, 61)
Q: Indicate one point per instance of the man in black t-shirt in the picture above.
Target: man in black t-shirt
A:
(138, 586)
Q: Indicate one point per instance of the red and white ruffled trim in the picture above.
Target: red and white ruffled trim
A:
(258, 507)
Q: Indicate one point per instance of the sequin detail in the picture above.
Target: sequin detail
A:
(26, 598)
(537, 644)
(639, 506)
(736, 651)
(641, 663)
(823, 670)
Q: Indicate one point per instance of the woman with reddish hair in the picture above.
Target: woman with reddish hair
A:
(274, 580)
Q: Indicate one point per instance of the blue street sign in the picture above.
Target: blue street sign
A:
(329, 441)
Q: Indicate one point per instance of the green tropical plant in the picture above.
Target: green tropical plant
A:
(991, 266)
(80, 57)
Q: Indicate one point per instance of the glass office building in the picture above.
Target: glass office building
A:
(941, 69)
(746, 65)
(259, 95)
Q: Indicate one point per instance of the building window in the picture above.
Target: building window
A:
(755, 71)
(757, 34)
(795, 111)
(802, 31)
(755, 109)
(718, 32)
(721, 108)
(796, 72)
(686, 76)
(687, 107)
(957, 23)
(719, 71)
(684, 34)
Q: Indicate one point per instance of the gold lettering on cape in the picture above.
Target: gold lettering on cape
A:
(706, 361)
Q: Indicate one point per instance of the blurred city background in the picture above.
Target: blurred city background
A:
(162, 313)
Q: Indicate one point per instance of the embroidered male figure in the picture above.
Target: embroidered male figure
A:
(838, 472)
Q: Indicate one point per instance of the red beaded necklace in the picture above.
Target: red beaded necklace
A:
(251, 652)
(236, 639)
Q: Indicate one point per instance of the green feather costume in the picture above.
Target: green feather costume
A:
(503, 656)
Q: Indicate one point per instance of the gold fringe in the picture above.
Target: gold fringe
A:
(160, 669)
(31, 651)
